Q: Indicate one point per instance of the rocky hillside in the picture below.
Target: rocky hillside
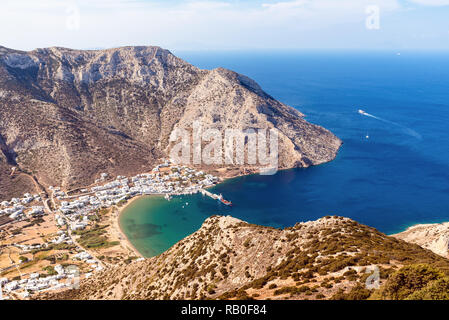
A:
(68, 115)
(330, 258)
(434, 237)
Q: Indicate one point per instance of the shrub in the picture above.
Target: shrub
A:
(50, 270)
(358, 292)
(408, 280)
(435, 290)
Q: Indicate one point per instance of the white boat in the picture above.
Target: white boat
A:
(167, 197)
(362, 112)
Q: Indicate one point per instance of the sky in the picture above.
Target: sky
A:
(226, 25)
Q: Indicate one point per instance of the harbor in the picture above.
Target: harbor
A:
(216, 197)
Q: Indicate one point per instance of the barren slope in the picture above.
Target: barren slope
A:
(434, 237)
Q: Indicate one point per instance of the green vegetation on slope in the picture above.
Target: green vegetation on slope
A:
(415, 282)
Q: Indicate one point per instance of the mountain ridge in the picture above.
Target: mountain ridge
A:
(323, 259)
(67, 115)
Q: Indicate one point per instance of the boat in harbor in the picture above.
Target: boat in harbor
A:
(216, 197)
(225, 202)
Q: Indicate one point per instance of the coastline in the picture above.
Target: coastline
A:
(418, 225)
(118, 228)
(127, 243)
(223, 179)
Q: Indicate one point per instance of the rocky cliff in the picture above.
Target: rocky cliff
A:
(68, 115)
(227, 258)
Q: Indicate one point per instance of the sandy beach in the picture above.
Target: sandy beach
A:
(124, 241)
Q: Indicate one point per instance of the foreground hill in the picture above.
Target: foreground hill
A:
(68, 115)
(231, 259)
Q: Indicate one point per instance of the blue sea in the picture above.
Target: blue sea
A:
(391, 173)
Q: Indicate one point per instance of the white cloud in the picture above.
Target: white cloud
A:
(433, 3)
(192, 24)
(340, 5)
(285, 4)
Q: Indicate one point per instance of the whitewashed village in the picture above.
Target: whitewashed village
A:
(61, 221)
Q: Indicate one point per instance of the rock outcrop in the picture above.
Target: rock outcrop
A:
(68, 115)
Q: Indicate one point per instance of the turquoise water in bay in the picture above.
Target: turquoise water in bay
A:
(394, 179)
